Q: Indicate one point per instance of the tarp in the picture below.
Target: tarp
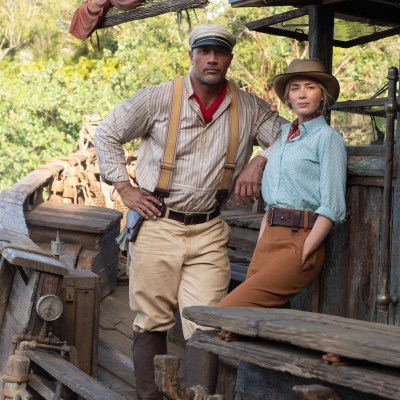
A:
(89, 14)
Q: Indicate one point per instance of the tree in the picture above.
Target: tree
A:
(42, 101)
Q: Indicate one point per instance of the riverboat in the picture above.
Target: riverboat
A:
(65, 323)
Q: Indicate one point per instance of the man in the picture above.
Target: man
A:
(180, 259)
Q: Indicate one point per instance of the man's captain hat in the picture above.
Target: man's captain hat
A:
(211, 35)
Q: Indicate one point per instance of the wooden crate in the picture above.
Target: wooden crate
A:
(79, 324)
(89, 230)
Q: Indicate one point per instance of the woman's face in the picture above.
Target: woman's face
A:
(305, 98)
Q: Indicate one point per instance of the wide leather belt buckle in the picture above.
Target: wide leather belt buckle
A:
(188, 219)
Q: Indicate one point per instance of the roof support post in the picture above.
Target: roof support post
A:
(320, 34)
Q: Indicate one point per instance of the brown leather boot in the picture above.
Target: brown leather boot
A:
(200, 368)
(146, 345)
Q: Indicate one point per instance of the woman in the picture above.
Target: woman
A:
(303, 187)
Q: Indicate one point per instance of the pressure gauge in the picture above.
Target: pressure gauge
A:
(49, 307)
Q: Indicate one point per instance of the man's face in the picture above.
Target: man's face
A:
(210, 64)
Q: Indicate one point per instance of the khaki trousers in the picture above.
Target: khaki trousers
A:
(174, 266)
(275, 272)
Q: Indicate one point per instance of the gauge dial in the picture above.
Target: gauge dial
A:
(49, 307)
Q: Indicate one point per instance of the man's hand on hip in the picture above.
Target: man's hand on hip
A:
(133, 198)
(248, 183)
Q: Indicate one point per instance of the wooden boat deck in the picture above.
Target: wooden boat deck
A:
(115, 365)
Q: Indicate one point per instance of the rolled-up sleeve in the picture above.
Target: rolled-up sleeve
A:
(333, 178)
(128, 121)
(268, 126)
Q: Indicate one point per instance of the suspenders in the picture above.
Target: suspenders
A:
(167, 165)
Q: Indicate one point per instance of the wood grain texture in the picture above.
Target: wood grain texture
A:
(360, 340)
(365, 378)
(73, 217)
(71, 376)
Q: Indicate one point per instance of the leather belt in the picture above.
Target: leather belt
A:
(294, 219)
(191, 218)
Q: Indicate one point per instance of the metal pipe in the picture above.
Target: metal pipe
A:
(391, 108)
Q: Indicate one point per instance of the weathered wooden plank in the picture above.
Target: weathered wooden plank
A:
(116, 384)
(108, 278)
(73, 217)
(37, 261)
(12, 218)
(42, 386)
(255, 383)
(109, 318)
(365, 166)
(20, 192)
(6, 279)
(332, 297)
(243, 219)
(353, 180)
(243, 240)
(115, 354)
(66, 373)
(362, 377)
(363, 252)
(367, 150)
(360, 340)
(8, 237)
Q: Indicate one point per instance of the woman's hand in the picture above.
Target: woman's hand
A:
(317, 235)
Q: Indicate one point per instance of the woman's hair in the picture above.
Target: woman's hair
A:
(326, 96)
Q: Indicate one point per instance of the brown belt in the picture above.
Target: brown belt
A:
(192, 218)
(294, 219)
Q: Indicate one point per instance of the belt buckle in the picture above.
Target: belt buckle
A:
(188, 219)
(271, 216)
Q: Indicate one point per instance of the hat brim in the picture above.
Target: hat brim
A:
(211, 41)
(330, 83)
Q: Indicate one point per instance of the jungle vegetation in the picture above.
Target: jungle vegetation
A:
(49, 80)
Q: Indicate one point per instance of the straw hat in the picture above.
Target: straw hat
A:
(312, 68)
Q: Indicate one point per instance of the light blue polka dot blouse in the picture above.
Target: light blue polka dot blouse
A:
(308, 173)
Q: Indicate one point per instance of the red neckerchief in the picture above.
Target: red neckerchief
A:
(294, 130)
(209, 112)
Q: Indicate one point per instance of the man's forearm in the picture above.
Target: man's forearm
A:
(122, 187)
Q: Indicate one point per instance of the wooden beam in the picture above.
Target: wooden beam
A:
(33, 259)
(320, 34)
(360, 340)
(70, 376)
(362, 377)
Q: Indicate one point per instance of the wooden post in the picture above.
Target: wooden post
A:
(166, 375)
(166, 368)
(391, 108)
(320, 34)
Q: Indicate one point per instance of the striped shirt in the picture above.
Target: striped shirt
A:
(201, 147)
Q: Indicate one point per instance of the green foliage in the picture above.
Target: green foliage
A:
(49, 80)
